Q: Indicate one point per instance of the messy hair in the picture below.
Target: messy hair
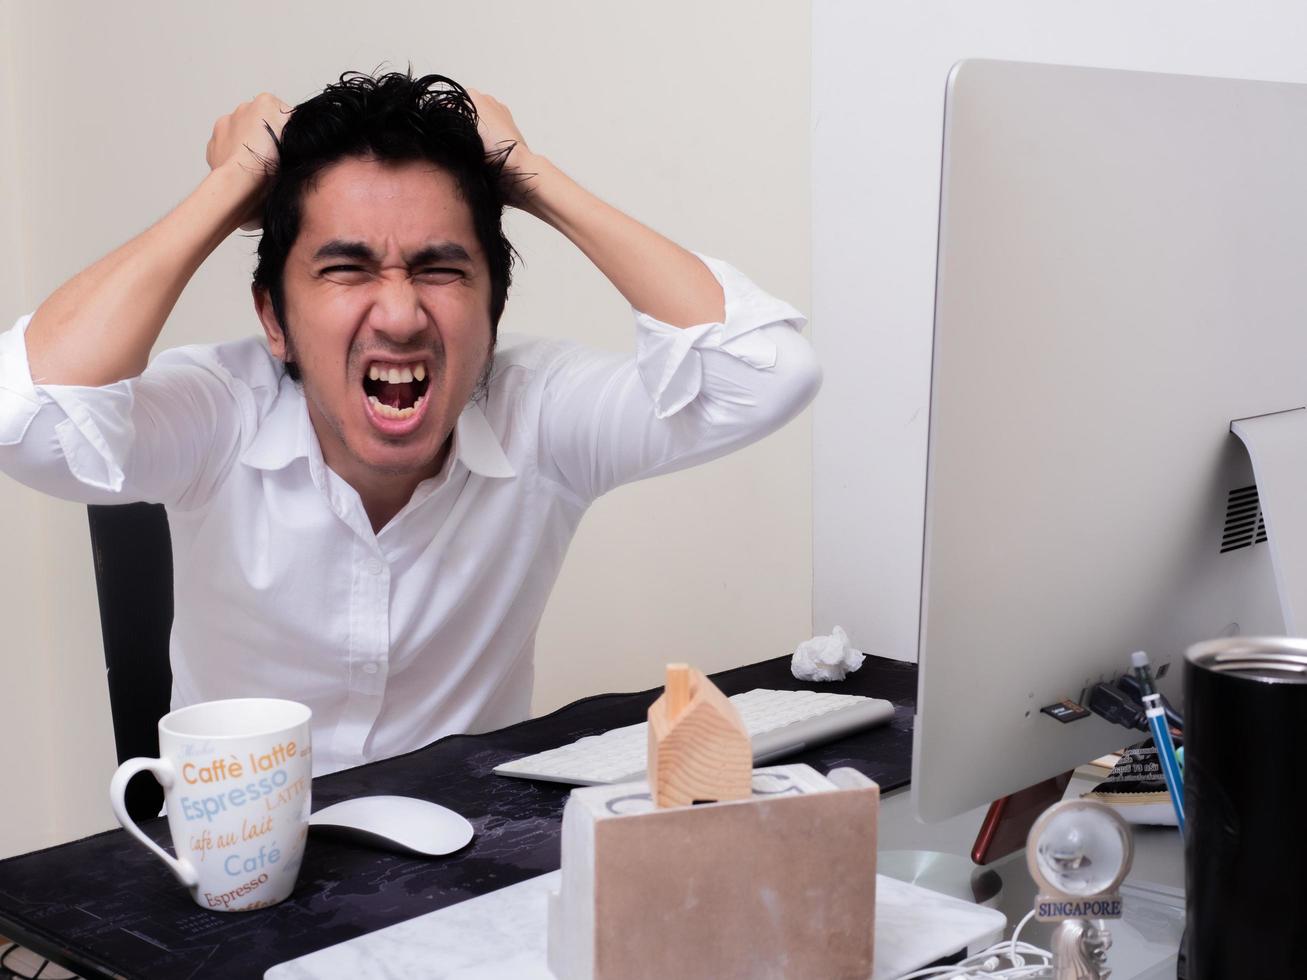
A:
(393, 118)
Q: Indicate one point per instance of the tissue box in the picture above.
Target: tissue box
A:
(779, 885)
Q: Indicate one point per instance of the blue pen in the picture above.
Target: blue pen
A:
(1161, 733)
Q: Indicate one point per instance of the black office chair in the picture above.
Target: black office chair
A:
(133, 578)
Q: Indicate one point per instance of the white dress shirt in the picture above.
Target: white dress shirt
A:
(394, 638)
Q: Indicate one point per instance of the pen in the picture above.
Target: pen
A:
(1161, 733)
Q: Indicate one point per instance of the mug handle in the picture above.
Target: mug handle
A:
(166, 775)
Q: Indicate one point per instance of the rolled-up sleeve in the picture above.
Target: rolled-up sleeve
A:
(688, 395)
(19, 401)
(163, 437)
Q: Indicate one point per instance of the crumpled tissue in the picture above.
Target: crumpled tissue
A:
(826, 658)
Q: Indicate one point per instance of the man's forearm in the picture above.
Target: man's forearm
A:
(99, 326)
(654, 274)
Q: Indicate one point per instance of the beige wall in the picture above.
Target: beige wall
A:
(694, 117)
(26, 677)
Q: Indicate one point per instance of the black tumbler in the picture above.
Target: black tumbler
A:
(1245, 802)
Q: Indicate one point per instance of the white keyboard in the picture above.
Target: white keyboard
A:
(779, 722)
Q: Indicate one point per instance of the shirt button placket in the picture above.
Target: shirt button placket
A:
(379, 635)
(369, 648)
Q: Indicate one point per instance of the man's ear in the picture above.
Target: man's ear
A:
(268, 317)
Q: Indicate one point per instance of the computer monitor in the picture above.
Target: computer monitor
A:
(1122, 271)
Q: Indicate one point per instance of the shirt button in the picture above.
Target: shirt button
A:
(374, 566)
(369, 668)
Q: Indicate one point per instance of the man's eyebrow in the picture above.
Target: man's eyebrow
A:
(441, 252)
(337, 249)
(360, 251)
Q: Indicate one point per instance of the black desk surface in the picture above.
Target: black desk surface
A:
(105, 907)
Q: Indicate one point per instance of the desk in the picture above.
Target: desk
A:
(106, 907)
(1145, 946)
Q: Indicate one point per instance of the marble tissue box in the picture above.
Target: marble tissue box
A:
(782, 884)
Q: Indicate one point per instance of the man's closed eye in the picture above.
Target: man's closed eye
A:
(438, 276)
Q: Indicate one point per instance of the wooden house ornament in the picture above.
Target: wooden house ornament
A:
(699, 750)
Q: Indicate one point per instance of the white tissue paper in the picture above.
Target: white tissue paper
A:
(825, 658)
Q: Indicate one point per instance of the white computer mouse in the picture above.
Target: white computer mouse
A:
(395, 823)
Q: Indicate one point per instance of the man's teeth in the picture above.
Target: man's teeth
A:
(397, 375)
(387, 412)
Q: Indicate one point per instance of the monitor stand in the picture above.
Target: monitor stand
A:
(1007, 824)
(948, 874)
(1277, 445)
(1003, 831)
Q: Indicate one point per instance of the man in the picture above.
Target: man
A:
(368, 513)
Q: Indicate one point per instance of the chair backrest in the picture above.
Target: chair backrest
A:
(133, 577)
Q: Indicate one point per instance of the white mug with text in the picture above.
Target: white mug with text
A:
(236, 779)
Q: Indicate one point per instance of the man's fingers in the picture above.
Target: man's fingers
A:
(499, 132)
(248, 135)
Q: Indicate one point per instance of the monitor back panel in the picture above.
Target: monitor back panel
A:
(1122, 271)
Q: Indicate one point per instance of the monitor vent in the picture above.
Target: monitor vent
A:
(1244, 524)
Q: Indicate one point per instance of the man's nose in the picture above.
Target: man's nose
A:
(396, 310)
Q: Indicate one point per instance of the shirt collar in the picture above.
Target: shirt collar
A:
(287, 434)
(478, 447)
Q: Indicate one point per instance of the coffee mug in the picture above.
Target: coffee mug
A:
(236, 778)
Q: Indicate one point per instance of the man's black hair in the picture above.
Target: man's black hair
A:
(393, 118)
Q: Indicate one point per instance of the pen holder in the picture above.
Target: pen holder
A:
(781, 884)
(1245, 779)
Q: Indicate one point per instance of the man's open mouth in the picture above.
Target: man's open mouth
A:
(396, 390)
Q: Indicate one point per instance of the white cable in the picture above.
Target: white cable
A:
(984, 965)
(966, 971)
(1016, 934)
(969, 970)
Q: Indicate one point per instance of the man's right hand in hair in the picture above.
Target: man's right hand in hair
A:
(243, 141)
(98, 327)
